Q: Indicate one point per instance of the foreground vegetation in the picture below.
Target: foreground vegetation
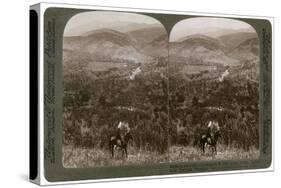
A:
(89, 157)
(167, 111)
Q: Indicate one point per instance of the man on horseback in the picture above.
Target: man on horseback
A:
(121, 139)
(122, 129)
(211, 136)
(213, 127)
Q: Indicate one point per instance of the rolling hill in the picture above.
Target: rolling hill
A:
(147, 35)
(248, 50)
(233, 40)
(105, 44)
(152, 41)
(228, 49)
(200, 48)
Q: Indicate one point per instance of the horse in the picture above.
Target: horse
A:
(210, 137)
(211, 140)
(122, 143)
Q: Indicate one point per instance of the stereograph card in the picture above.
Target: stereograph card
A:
(120, 93)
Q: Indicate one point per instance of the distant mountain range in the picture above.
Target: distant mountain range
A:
(228, 49)
(134, 45)
(233, 40)
(143, 44)
(247, 50)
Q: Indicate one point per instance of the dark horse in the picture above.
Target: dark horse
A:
(119, 142)
(211, 140)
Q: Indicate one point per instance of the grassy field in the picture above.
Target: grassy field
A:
(183, 154)
(87, 157)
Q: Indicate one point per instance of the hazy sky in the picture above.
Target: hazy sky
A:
(88, 21)
(213, 27)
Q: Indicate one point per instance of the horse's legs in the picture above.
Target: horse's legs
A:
(112, 150)
(202, 146)
(126, 152)
(215, 149)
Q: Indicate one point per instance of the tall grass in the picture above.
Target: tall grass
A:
(77, 157)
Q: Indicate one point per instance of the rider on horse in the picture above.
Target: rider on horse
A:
(121, 138)
(213, 126)
(122, 129)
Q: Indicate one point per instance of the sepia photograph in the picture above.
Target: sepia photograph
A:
(134, 93)
(214, 90)
(115, 100)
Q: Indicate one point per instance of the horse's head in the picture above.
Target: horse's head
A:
(128, 137)
(217, 134)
